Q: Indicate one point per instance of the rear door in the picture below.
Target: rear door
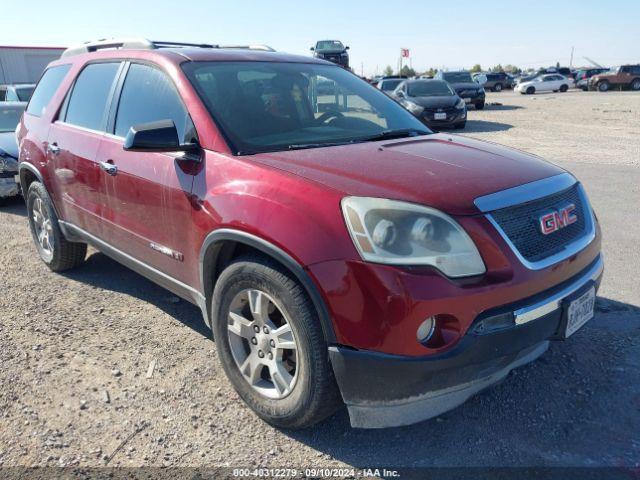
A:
(148, 206)
(73, 142)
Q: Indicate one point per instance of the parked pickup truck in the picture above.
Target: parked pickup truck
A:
(624, 76)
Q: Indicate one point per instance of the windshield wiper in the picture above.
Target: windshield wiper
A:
(391, 134)
(301, 146)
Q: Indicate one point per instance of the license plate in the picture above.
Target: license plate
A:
(580, 311)
(467, 100)
(440, 116)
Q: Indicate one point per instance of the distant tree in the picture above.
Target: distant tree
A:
(557, 64)
(497, 68)
(408, 71)
(512, 69)
(388, 71)
(431, 72)
(476, 68)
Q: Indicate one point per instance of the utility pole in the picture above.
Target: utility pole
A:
(571, 61)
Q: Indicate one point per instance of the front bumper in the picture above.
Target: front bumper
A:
(383, 390)
(453, 118)
(8, 187)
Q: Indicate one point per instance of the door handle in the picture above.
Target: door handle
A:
(110, 168)
(53, 148)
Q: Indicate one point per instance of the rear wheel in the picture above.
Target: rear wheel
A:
(497, 87)
(531, 90)
(635, 84)
(54, 249)
(604, 86)
(271, 344)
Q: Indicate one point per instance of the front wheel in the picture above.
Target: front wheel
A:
(271, 344)
(460, 126)
(531, 90)
(479, 106)
(564, 88)
(603, 86)
(497, 87)
(54, 249)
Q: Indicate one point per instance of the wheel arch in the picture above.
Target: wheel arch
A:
(223, 245)
(28, 174)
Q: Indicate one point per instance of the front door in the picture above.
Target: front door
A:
(148, 209)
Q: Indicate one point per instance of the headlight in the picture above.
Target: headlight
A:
(413, 107)
(399, 233)
(460, 104)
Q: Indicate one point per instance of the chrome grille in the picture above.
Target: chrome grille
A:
(520, 224)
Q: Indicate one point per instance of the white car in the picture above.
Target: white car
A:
(552, 82)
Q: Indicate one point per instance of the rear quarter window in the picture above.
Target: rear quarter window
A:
(88, 101)
(46, 88)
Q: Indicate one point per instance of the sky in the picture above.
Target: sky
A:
(441, 34)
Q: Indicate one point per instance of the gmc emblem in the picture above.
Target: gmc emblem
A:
(557, 219)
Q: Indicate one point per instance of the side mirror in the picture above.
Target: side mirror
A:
(160, 136)
(347, 47)
(312, 49)
(400, 94)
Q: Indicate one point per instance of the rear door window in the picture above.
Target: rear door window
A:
(87, 106)
(148, 95)
(46, 88)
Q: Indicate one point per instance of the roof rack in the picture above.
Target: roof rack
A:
(264, 48)
(144, 44)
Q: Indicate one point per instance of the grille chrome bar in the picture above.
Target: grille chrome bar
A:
(524, 193)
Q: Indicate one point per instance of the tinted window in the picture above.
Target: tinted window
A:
(147, 96)
(635, 70)
(390, 85)
(90, 94)
(24, 93)
(428, 88)
(49, 83)
(9, 117)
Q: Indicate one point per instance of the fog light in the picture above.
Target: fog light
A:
(426, 329)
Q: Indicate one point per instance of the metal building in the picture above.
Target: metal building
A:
(25, 64)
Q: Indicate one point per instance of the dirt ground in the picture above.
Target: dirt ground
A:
(76, 387)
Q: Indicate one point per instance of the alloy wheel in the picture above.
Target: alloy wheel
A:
(43, 226)
(262, 343)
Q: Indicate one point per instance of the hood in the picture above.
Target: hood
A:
(331, 52)
(447, 172)
(435, 102)
(9, 144)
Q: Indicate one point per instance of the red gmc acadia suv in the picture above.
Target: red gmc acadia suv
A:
(339, 250)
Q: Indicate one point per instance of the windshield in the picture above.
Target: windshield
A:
(390, 85)
(457, 77)
(24, 93)
(272, 106)
(429, 88)
(9, 118)
(329, 45)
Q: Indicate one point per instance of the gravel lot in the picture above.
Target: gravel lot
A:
(76, 349)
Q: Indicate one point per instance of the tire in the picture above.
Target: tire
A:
(497, 87)
(635, 84)
(531, 90)
(460, 126)
(312, 394)
(564, 88)
(56, 251)
(479, 106)
(604, 86)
